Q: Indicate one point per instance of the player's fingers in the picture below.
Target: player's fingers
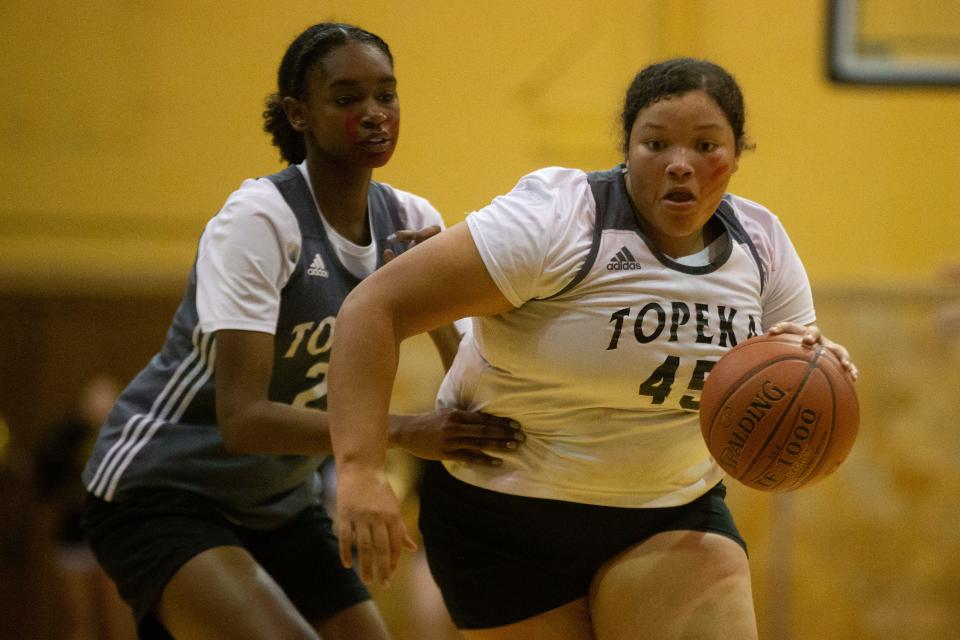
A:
(474, 457)
(398, 537)
(853, 370)
(399, 540)
(456, 430)
(485, 431)
(365, 552)
(478, 417)
(385, 553)
(388, 255)
(416, 235)
(408, 542)
(427, 232)
(477, 443)
(810, 333)
(841, 354)
(403, 235)
(345, 536)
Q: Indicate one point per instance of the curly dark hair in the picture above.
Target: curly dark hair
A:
(307, 50)
(677, 76)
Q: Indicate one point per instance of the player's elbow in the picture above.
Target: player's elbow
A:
(370, 304)
(237, 429)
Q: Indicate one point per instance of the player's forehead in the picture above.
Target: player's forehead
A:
(353, 63)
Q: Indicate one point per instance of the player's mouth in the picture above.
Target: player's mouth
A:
(679, 199)
(376, 143)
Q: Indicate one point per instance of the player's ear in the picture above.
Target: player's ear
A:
(296, 111)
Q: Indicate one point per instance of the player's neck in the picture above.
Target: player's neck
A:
(342, 197)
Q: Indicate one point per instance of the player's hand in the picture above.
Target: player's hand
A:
(368, 518)
(407, 236)
(454, 434)
(812, 335)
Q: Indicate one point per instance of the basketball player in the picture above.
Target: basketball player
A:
(601, 301)
(203, 489)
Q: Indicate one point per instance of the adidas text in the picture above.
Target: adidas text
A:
(623, 261)
(317, 267)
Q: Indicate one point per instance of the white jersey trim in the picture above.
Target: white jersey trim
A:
(169, 405)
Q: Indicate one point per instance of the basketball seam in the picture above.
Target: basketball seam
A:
(833, 422)
(810, 369)
(739, 381)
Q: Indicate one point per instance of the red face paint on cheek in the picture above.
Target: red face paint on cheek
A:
(719, 170)
(351, 126)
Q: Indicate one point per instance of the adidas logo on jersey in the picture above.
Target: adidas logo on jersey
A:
(317, 268)
(623, 261)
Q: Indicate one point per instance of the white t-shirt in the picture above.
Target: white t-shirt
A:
(250, 249)
(604, 377)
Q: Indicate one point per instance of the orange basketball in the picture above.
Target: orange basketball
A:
(777, 415)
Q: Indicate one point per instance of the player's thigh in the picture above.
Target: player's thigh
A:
(676, 584)
(362, 620)
(568, 622)
(223, 593)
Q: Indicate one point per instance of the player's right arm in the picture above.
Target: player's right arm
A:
(247, 254)
(394, 303)
(250, 422)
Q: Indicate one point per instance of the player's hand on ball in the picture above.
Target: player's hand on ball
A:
(454, 434)
(812, 335)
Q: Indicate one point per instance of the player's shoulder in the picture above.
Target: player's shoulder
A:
(755, 217)
(255, 194)
(254, 207)
(554, 179)
(406, 198)
(416, 209)
(556, 189)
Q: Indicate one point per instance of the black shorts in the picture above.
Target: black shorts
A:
(142, 542)
(499, 558)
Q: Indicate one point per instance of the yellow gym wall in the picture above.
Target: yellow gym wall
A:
(125, 124)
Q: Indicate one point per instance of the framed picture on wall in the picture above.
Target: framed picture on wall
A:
(894, 42)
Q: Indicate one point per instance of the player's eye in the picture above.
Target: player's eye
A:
(654, 145)
(705, 146)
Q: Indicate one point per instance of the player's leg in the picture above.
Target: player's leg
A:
(224, 593)
(507, 566)
(303, 556)
(568, 622)
(362, 620)
(178, 563)
(676, 584)
(115, 617)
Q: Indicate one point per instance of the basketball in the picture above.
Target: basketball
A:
(776, 415)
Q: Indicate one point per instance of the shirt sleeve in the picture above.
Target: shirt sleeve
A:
(418, 212)
(788, 297)
(247, 253)
(534, 239)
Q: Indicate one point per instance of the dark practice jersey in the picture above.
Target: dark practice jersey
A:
(163, 430)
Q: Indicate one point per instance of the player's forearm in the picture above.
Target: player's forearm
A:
(363, 365)
(265, 427)
(446, 339)
(280, 429)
